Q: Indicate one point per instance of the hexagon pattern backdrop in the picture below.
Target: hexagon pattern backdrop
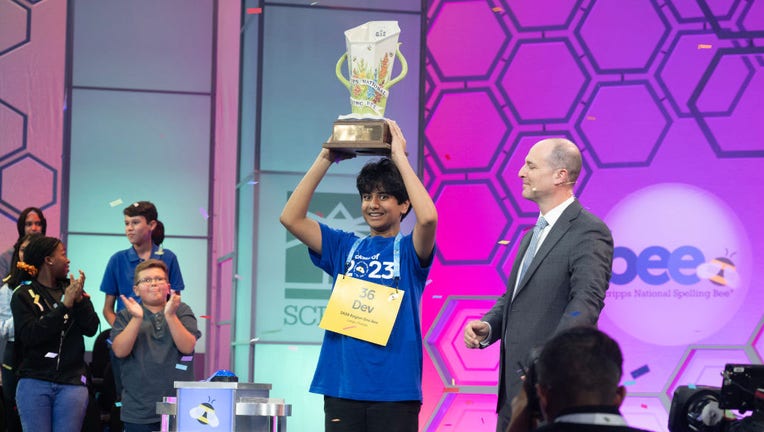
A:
(32, 55)
(664, 98)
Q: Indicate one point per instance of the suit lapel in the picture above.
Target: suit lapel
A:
(558, 231)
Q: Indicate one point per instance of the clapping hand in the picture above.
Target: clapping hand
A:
(132, 306)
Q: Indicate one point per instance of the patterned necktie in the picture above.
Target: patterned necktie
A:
(531, 251)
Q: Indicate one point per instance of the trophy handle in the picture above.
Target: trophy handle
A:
(404, 68)
(338, 71)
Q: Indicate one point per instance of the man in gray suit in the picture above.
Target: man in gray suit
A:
(559, 285)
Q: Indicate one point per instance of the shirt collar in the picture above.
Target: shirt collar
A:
(132, 255)
(552, 215)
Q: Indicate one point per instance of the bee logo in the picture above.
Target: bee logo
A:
(204, 413)
(720, 271)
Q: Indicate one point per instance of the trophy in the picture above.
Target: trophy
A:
(371, 51)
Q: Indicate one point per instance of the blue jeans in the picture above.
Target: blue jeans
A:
(46, 406)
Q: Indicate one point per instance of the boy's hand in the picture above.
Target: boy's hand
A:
(132, 306)
(172, 304)
(398, 144)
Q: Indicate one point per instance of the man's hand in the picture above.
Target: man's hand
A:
(475, 332)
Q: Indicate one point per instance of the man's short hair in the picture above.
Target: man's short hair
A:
(148, 264)
(581, 362)
(566, 155)
(383, 175)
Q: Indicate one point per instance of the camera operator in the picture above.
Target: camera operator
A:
(576, 386)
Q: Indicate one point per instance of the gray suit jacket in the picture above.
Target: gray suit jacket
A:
(563, 287)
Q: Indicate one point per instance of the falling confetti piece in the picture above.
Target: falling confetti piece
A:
(636, 373)
(187, 358)
(704, 46)
(692, 386)
(254, 11)
(503, 242)
(117, 404)
(181, 366)
(643, 406)
(252, 182)
(427, 282)
(236, 276)
(497, 9)
(575, 313)
(51, 355)
(116, 202)
(437, 296)
(204, 213)
(204, 316)
(629, 383)
(84, 379)
(451, 390)
(447, 156)
(591, 118)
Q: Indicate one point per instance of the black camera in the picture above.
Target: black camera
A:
(701, 408)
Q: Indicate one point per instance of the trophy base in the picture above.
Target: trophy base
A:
(363, 137)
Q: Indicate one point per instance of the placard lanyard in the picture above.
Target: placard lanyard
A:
(592, 418)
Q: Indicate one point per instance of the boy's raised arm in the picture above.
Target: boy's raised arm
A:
(294, 217)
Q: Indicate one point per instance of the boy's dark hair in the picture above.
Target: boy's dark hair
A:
(383, 175)
(148, 264)
(13, 278)
(148, 210)
(36, 251)
(580, 361)
(22, 220)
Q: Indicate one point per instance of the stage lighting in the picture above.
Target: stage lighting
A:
(701, 408)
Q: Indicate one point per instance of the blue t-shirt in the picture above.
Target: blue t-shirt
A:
(354, 369)
(120, 272)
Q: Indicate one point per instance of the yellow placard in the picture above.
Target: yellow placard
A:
(362, 309)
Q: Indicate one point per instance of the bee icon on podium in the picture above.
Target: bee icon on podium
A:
(204, 413)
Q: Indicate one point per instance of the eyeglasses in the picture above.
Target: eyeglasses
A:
(149, 281)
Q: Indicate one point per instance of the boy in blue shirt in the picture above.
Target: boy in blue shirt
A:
(368, 387)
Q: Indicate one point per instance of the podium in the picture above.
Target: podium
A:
(226, 406)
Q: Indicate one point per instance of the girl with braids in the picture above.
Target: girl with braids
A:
(51, 314)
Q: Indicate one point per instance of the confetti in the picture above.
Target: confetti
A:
(116, 202)
(427, 282)
(451, 390)
(204, 316)
(51, 355)
(117, 404)
(447, 156)
(704, 46)
(629, 383)
(636, 373)
(437, 296)
(254, 11)
(575, 313)
(204, 213)
(692, 386)
(503, 242)
(497, 9)
(7, 367)
(84, 379)
(181, 366)
(186, 358)
(108, 341)
(591, 118)
(643, 406)
(236, 276)
(252, 182)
